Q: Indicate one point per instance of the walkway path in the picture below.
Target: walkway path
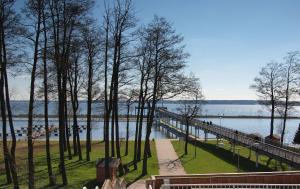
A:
(169, 163)
(140, 184)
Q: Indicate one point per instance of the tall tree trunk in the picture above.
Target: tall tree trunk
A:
(89, 110)
(116, 104)
(59, 68)
(67, 130)
(11, 156)
(186, 137)
(112, 133)
(75, 150)
(136, 134)
(48, 153)
(147, 138)
(106, 111)
(13, 135)
(138, 117)
(31, 102)
(272, 117)
(286, 103)
(127, 129)
(4, 132)
(144, 93)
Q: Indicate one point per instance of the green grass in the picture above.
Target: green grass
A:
(212, 159)
(80, 173)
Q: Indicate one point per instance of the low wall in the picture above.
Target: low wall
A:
(287, 177)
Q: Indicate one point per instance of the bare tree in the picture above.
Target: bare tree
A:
(35, 8)
(268, 86)
(290, 76)
(91, 43)
(118, 20)
(167, 60)
(9, 27)
(74, 83)
(190, 106)
(130, 99)
(45, 82)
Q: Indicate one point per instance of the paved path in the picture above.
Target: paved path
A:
(140, 184)
(169, 163)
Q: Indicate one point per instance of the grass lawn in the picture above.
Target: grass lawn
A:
(212, 159)
(80, 173)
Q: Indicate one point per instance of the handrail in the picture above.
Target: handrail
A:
(238, 186)
(238, 137)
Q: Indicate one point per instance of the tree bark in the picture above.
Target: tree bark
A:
(4, 132)
(31, 102)
(48, 153)
(127, 129)
(186, 137)
(89, 108)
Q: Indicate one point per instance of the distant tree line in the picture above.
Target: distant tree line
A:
(69, 56)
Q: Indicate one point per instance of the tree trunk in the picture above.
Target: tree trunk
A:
(112, 133)
(4, 132)
(106, 111)
(59, 68)
(48, 153)
(285, 106)
(186, 137)
(272, 117)
(67, 130)
(127, 129)
(89, 111)
(136, 134)
(10, 163)
(31, 102)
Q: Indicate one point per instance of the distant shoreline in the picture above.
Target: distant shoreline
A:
(132, 117)
(205, 102)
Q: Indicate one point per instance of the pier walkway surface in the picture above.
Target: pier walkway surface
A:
(169, 163)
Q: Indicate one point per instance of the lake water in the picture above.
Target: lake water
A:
(248, 125)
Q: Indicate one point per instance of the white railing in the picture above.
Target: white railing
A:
(227, 186)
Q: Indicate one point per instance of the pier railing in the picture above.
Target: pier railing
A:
(276, 152)
(232, 186)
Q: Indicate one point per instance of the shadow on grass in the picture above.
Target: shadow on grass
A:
(226, 155)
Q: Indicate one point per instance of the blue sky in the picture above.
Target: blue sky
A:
(229, 41)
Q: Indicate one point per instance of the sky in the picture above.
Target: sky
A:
(229, 41)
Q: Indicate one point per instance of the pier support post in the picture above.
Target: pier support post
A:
(205, 135)
(233, 150)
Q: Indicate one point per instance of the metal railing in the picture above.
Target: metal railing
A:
(227, 186)
(239, 137)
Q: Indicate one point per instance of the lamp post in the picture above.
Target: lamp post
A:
(238, 159)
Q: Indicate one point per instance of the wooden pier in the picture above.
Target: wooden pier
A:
(175, 124)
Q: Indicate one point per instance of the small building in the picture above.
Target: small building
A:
(113, 169)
